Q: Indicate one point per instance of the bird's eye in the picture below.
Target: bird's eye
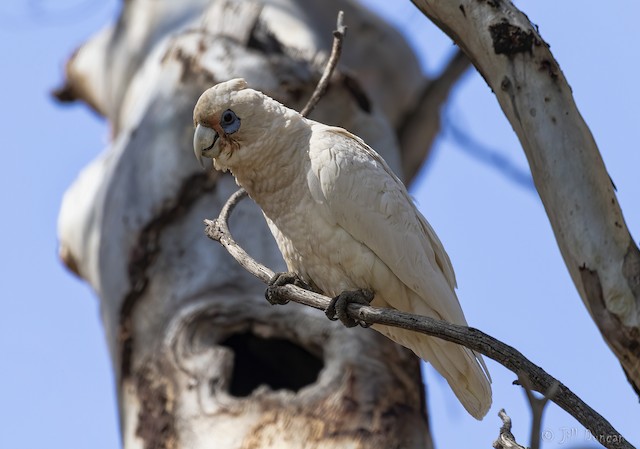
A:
(229, 121)
(227, 117)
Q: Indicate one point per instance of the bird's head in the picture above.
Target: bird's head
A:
(227, 118)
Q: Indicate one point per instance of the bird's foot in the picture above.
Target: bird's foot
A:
(280, 279)
(338, 306)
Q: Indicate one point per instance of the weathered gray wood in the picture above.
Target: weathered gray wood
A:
(506, 440)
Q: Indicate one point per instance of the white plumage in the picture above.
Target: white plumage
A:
(341, 218)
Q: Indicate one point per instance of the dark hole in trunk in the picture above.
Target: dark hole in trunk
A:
(277, 363)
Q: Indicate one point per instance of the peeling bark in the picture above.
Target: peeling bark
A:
(623, 339)
(156, 422)
(566, 165)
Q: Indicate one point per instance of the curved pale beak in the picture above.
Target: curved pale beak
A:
(204, 140)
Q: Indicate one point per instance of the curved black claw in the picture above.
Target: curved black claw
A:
(280, 279)
(337, 309)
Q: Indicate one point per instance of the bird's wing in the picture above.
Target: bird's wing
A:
(369, 202)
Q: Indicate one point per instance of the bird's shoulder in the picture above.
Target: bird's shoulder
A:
(361, 191)
(338, 143)
(368, 200)
(342, 160)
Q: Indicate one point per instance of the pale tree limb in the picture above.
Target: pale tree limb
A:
(535, 377)
(506, 440)
(567, 168)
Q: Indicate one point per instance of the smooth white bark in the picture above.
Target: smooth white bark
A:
(567, 168)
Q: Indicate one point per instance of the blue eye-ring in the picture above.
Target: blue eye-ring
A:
(229, 121)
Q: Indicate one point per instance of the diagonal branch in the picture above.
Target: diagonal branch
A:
(567, 168)
(531, 375)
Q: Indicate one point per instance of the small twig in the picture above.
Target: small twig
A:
(506, 440)
(538, 406)
(218, 230)
(336, 50)
(536, 378)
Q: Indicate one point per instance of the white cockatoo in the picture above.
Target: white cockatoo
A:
(342, 220)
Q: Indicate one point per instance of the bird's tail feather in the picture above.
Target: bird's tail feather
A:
(464, 370)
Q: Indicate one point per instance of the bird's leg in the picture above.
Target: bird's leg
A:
(337, 309)
(280, 279)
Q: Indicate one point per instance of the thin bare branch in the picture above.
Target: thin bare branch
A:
(535, 377)
(218, 230)
(336, 50)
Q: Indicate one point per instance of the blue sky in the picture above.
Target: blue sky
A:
(57, 386)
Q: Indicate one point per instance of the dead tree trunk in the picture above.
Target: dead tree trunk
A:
(201, 359)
